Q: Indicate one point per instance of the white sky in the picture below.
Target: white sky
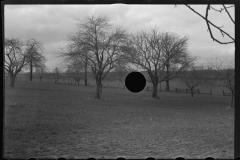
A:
(50, 24)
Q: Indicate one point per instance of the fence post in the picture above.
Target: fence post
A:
(223, 93)
(210, 92)
(176, 90)
(198, 91)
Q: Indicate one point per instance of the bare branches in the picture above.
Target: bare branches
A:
(56, 74)
(224, 75)
(15, 57)
(192, 78)
(96, 44)
(209, 23)
(223, 72)
(228, 13)
(34, 56)
(155, 52)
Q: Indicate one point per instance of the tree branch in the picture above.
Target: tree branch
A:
(228, 13)
(209, 29)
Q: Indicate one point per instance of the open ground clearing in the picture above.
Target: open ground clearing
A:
(58, 120)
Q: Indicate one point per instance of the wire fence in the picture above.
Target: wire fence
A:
(116, 85)
(186, 90)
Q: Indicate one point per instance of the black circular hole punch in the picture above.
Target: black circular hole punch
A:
(135, 82)
(179, 158)
(150, 158)
(121, 158)
(209, 158)
(32, 159)
(61, 158)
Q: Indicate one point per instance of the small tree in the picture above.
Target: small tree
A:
(35, 59)
(41, 71)
(56, 74)
(14, 57)
(192, 78)
(75, 71)
(224, 74)
(169, 44)
(70, 55)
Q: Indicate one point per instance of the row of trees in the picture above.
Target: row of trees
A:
(99, 47)
(21, 55)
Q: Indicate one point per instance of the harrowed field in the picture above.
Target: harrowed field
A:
(47, 120)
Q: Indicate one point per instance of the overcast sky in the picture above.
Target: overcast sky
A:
(50, 24)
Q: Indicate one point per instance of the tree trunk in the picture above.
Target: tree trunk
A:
(78, 83)
(101, 87)
(85, 80)
(12, 80)
(191, 92)
(167, 81)
(40, 79)
(98, 87)
(167, 86)
(85, 74)
(31, 71)
(154, 92)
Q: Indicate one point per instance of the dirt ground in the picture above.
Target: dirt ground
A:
(47, 120)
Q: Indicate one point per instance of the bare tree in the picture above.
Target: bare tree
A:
(169, 44)
(224, 74)
(73, 58)
(35, 58)
(100, 43)
(14, 57)
(56, 74)
(41, 70)
(75, 70)
(192, 78)
(211, 24)
(73, 51)
(146, 50)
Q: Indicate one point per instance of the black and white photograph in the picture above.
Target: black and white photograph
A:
(119, 80)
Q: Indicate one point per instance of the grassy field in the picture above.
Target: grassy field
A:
(47, 120)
